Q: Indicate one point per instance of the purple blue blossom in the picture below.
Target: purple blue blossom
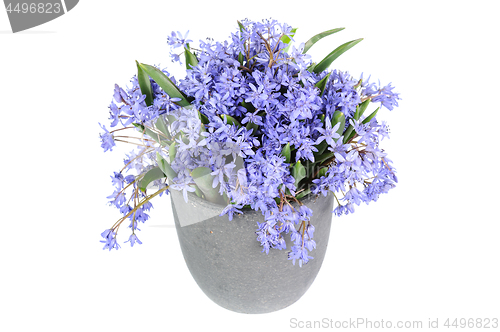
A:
(248, 99)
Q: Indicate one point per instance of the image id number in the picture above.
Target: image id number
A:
(477, 323)
(23, 8)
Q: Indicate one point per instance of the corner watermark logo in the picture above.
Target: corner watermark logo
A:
(26, 14)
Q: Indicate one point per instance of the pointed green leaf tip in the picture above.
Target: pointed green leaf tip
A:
(365, 121)
(327, 61)
(360, 109)
(240, 26)
(191, 60)
(144, 84)
(371, 116)
(321, 85)
(317, 37)
(165, 83)
(285, 152)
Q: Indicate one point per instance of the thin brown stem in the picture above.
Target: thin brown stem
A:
(139, 155)
(112, 131)
(386, 165)
(119, 140)
(145, 200)
(141, 138)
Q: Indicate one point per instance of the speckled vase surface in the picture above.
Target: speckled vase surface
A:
(226, 261)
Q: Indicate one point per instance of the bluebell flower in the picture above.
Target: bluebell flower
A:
(117, 198)
(253, 118)
(276, 96)
(119, 94)
(114, 114)
(133, 239)
(129, 178)
(117, 179)
(305, 151)
(299, 253)
(184, 187)
(109, 240)
(339, 210)
(310, 244)
(178, 40)
(107, 140)
(328, 133)
(125, 209)
(139, 215)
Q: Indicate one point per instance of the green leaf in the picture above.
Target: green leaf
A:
(321, 148)
(240, 58)
(348, 133)
(249, 106)
(322, 172)
(360, 109)
(311, 67)
(324, 157)
(327, 61)
(150, 176)
(371, 116)
(242, 28)
(321, 85)
(161, 125)
(365, 121)
(285, 152)
(197, 191)
(172, 151)
(144, 84)
(203, 118)
(303, 193)
(191, 60)
(286, 40)
(230, 120)
(204, 181)
(251, 125)
(165, 167)
(317, 37)
(298, 173)
(165, 83)
(336, 118)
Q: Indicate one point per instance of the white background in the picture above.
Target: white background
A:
(428, 249)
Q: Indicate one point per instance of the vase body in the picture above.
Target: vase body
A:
(227, 262)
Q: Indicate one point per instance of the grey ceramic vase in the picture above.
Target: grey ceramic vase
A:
(227, 262)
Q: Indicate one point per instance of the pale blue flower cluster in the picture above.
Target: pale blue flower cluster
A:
(267, 127)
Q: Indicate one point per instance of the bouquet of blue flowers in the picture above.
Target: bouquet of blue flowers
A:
(254, 124)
